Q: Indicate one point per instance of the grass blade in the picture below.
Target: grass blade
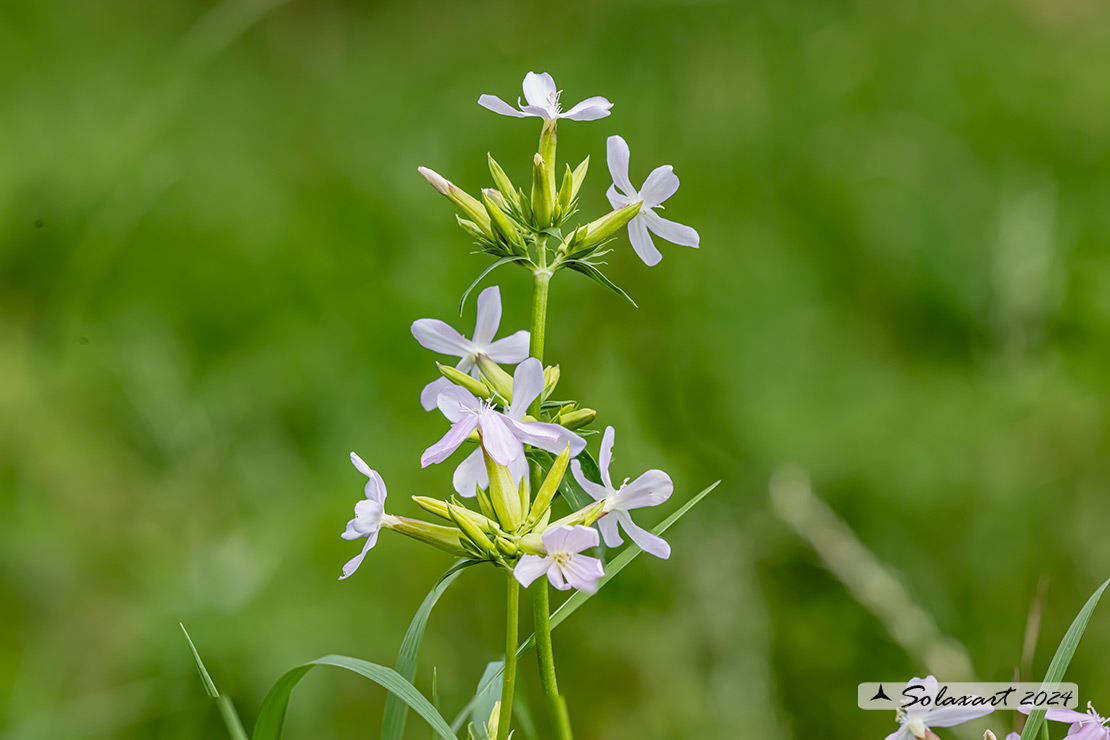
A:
(1061, 659)
(227, 709)
(396, 711)
(271, 719)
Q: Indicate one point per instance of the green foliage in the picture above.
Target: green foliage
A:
(226, 707)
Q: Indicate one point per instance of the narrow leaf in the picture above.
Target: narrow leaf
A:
(227, 709)
(1062, 657)
(598, 277)
(271, 718)
(396, 711)
(487, 271)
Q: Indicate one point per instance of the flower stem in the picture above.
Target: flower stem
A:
(508, 687)
(541, 279)
(556, 707)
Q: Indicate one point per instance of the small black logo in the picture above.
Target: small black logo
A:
(880, 694)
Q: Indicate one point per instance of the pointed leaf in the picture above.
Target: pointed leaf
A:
(227, 709)
(487, 271)
(598, 277)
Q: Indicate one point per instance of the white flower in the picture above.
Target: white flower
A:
(917, 718)
(437, 336)
(543, 102)
(659, 185)
(503, 434)
(564, 564)
(650, 489)
(370, 515)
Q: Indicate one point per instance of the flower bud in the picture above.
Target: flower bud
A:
(458, 377)
(502, 224)
(467, 204)
(586, 516)
(563, 200)
(546, 493)
(532, 543)
(551, 376)
(440, 509)
(502, 181)
(576, 419)
(447, 539)
(507, 547)
(498, 379)
(603, 228)
(475, 535)
(484, 503)
(504, 495)
(542, 195)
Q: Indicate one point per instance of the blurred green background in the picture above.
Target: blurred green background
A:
(213, 241)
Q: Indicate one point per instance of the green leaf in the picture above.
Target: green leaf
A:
(396, 711)
(487, 271)
(478, 709)
(575, 497)
(598, 277)
(1062, 657)
(227, 709)
(578, 598)
(271, 719)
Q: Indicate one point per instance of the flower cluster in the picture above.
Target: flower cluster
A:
(497, 398)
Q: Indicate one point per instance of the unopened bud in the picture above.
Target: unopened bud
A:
(604, 228)
(502, 224)
(504, 495)
(532, 543)
(472, 532)
(447, 539)
(576, 419)
(458, 377)
(502, 181)
(585, 516)
(441, 509)
(465, 202)
(546, 493)
(496, 377)
(551, 376)
(542, 193)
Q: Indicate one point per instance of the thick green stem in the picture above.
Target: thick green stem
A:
(505, 717)
(556, 708)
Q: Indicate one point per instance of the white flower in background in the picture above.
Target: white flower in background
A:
(650, 489)
(659, 185)
(439, 337)
(503, 434)
(917, 719)
(543, 102)
(370, 515)
(564, 564)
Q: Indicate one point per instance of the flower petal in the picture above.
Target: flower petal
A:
(608, 526)
(457, 402)
(617, 155)
(646, 541)
(538, 89)
(642, 244)
(583, 572)
(596, 491)
(618, 199)
(352, 565)
(902, 733)
(661, 184)
(489, 316)
(497, 105)
(529, 568)
(589, 109)
(950, 716)
(375, 486)
(555, 575)
(673, 232)
(439, 337)
(527, 385)
(360, 464)
(569, 539)
(511, 349)
(470, 473)
(450, 442)
(430, 395)
(1059, 715)
(605, 456)
(497, 439)
(550, 437)
(650, 489)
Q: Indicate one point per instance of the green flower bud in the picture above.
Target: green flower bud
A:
(550, 380)
(441, 509)
(507, 547)
(458, 377)
(546, 494)
(502, 224)
(504, 495)
(543, 193)
(576, 419)
(502, 181)
(459, 516)
(484, 503)
(563, 201)
(498, 379)
(532, 543)
(603, 228)
(466, 203)
(585, 516)
(447, 539)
